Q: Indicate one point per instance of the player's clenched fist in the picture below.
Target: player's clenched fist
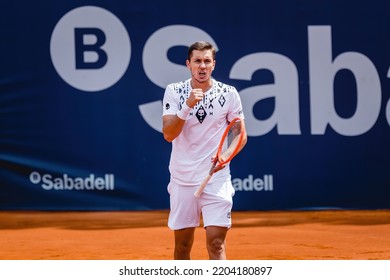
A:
(195, 96)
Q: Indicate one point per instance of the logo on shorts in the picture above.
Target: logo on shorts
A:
(229, 215)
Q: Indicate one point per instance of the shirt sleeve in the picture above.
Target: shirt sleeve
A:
(170, 104)
(235, 106)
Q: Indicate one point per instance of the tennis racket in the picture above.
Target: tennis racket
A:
(228, 147)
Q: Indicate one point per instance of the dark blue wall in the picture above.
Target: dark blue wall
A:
(81, 84)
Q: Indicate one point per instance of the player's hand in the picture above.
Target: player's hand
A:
(196, 95)
(218, 167)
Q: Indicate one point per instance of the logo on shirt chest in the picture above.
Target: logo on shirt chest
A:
(201, 114)
(214, 100)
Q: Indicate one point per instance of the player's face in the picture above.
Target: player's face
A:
(201, 65)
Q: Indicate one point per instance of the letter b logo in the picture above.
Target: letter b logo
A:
(83, 49)
(90, 48)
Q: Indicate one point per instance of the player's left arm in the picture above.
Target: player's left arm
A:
(244, 137)
(237, 111)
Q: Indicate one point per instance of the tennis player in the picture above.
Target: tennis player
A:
(195, 114)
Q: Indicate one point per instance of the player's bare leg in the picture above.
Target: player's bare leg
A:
(184, 238)
(215, 239)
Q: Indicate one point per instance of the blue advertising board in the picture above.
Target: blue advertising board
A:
(81, 87)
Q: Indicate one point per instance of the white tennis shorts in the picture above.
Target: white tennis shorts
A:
(214, 205)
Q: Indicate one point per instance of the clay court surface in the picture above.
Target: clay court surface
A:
(143, 235)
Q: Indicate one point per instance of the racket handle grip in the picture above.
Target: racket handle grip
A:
(202, 186)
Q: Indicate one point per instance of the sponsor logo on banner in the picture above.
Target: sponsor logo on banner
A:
(65, 182)
(253, 184)
(90, 49)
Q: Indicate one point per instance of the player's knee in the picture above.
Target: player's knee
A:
(183, 250)
(183, 247)
(216, 247)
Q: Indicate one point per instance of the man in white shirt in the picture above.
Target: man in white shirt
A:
(195, 115)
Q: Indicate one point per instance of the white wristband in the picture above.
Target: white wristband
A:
(184, 112)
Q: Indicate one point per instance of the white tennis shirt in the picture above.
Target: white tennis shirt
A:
(192, 150)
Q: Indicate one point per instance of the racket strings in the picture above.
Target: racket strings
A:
(231, 142)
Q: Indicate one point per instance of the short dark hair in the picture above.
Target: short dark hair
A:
(201, 46)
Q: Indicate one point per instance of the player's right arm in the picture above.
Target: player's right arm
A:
(173, 124)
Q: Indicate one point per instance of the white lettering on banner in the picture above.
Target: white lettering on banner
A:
(92, 54)
(322, 74)
(284, 90)
(66, 183)
(254, 184)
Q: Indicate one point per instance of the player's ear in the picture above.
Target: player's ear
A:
(214, 64)
(188, 63)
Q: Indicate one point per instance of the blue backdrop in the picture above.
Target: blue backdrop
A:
(81, 86)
